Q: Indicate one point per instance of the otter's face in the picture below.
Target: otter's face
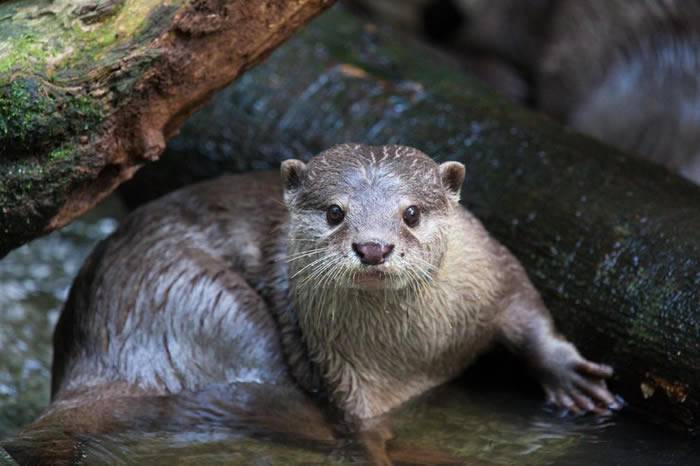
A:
(369, 217)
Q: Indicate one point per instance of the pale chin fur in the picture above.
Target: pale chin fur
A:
(360, 279)
(393, 282)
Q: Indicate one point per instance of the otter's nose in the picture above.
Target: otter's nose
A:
(372, 253)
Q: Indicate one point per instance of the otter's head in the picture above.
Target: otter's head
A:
(369, 217)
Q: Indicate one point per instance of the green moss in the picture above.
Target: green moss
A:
(34, 116)
(26, 51)
(22, 108)
(85, 108)
(61, 153)
(78, 38)
(42, 95)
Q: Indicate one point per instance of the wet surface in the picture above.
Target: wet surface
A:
(493, 423)
(34, 282)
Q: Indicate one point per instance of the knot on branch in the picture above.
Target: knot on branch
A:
(96, 11)
(203, 17)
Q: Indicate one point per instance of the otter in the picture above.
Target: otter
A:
(627, 74)
(358, 276)
(623, 72)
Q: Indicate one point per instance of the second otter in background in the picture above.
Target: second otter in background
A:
(624, 72)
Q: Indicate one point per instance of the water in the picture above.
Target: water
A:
(34, 281)
(491, 424)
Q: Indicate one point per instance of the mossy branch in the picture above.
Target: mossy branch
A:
(90, 90)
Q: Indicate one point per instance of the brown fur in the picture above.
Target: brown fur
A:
(450, 290)
(210, 284)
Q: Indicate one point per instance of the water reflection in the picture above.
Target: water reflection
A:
(474, 426)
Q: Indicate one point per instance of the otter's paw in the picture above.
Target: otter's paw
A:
(578, 386)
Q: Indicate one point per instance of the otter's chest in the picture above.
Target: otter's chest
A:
(429, 335)
(374, 354)
(436, 335)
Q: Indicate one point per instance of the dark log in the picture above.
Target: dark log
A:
(612, 242)
(90, 91)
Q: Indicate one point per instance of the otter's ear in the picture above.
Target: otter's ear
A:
(452, 176)
(292, 171)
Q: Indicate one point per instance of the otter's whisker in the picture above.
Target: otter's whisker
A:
(330, 260)
(301, 255)
(311, 264)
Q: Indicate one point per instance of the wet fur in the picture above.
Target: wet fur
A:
(202, 288)
(625, 72)
(628, 73)
(452, 290)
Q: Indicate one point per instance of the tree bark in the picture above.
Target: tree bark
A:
(90, 90)
(611, 241)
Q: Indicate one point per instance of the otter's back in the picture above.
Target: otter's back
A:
(167, 304)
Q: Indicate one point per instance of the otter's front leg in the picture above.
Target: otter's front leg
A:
(569, 380)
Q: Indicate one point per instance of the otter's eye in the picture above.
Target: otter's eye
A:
(411, 216)
(334, 214)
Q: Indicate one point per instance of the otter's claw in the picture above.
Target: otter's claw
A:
(592, 369)
(579, 387)
(576, 401)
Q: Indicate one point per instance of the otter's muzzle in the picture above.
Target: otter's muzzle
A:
(372, 253)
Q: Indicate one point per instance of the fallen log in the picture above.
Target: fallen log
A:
(91, 90)
(611, 241)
